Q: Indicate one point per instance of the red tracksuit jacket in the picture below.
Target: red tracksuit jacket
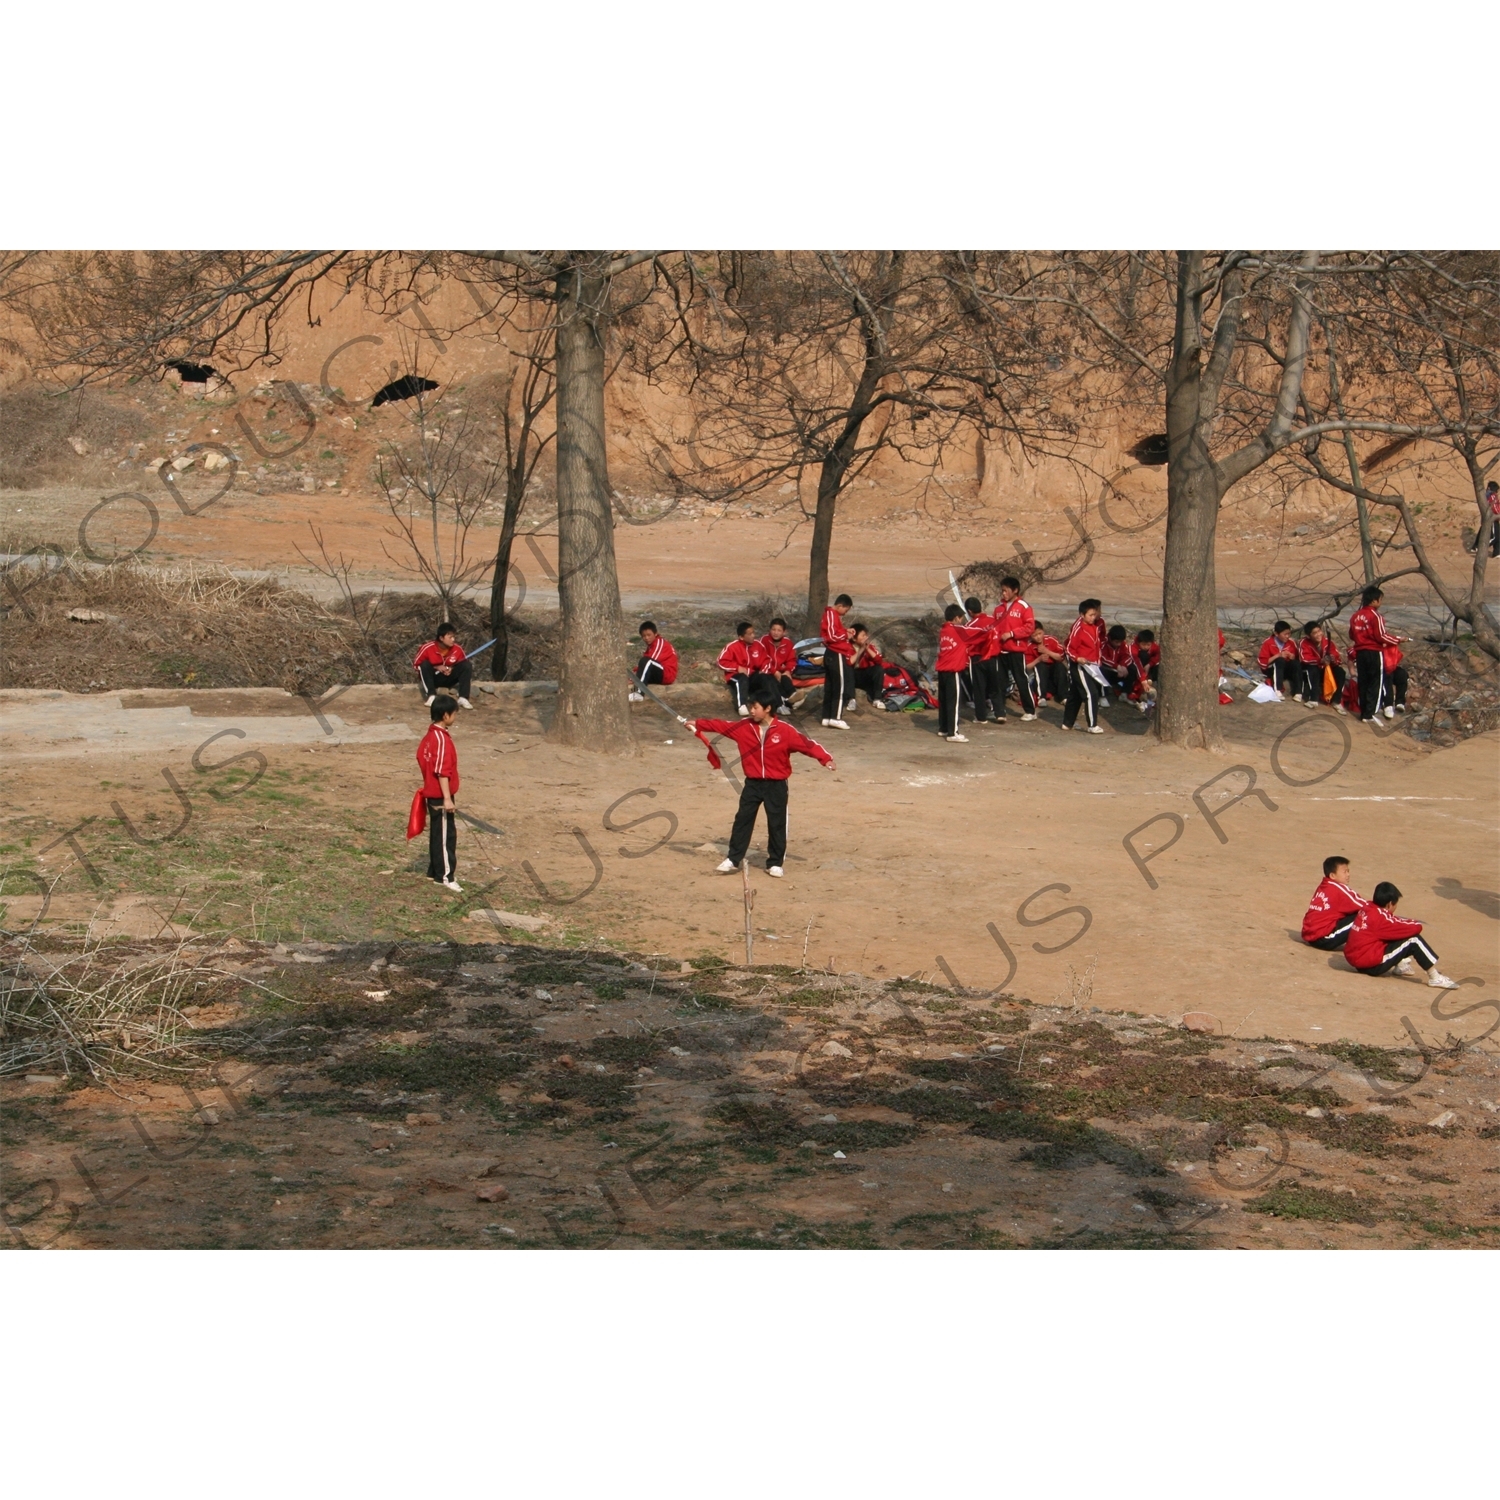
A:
(985, 640)
(748, 654)
(664, 653)
(1367, 630)
(1018, 619)
(1274, 650)
(437, 756)
(1313, 652)
(1143, 658)
(781, 656)
(1115, 655)
(1083, 640)
(1372, 930)
(438, 656)
(765, 749)
(1330, 904)
(835, 637)
(1033, 653)
(953, 647)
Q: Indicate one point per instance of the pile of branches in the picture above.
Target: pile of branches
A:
(99, 1012)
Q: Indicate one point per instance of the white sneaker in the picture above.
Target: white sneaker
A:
(427, 702)
(1144, 706)
(1440, 981)
(1390, 712)
(1339, 708)
(775, 871)
(454, 886)
(835, 724)
(637, 698)
(1027, 718)
(1407, 967)
(1400, 708)
(725, 867)
(1097, 729)
(464, 703)
(957, 739)
(851, 708)
(744, 711)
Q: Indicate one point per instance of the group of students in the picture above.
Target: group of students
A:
(1311, 670)
(1373, 938)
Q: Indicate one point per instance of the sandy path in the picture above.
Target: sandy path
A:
(912, 849)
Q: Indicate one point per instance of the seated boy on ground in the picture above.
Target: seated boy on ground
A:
(1318, 654)
(1046, 665)
(658, 664)
(1278, 660)
(781, 660)
(1334, 906)
(1381, 941)
(742, 661)
(766, 748)
(1145, 664)
(869, 665)
(1114, 659)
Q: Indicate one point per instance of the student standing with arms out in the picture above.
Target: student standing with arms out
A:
(781, 660)
(766, 749)
(658, 664)
(1014, 626)
(838, 658)
(1083, 661)
(442, 667)
(436, 801)
(1369, 640)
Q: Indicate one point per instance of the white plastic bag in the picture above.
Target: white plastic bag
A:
(1264, 693)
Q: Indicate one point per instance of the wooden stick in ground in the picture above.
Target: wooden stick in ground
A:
(749, 906)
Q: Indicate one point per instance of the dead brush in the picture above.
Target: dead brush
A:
(100, 1013)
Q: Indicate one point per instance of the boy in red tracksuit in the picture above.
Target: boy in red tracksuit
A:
(1278, 660)
(952, 662)
(743, 662)
(1393, 694)
(1381, 941)
(435, 803)
(781, 659)
(442, 667)
(1317, 653)
(983, 637)
(1114, 659)
(1145, 663)
(869, 665)
(1046, 667)
(658, 663)
(1014, 626)
(1368, 640)
(1082, 649)
(1334, 906)
(838, 659)
(766, 748)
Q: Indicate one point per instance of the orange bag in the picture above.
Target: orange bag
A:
(1330, 684)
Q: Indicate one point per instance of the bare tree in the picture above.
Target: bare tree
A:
(818, 362)
(437, 484)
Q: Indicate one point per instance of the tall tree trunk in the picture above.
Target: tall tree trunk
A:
(500, 656)
(1188, 697)
(830, 480)
(592, 710)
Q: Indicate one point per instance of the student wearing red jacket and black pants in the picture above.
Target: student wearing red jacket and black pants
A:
(1369, 639)
(781, 659)
(838, 659)
(952, 662)
(984, 664)
(1334, 906)
(1317, 653)
(438, 758)
(1014, 624)
(1082, 648)
(742, 661)
(766, 749)
(1381, 941)
(443, 668)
